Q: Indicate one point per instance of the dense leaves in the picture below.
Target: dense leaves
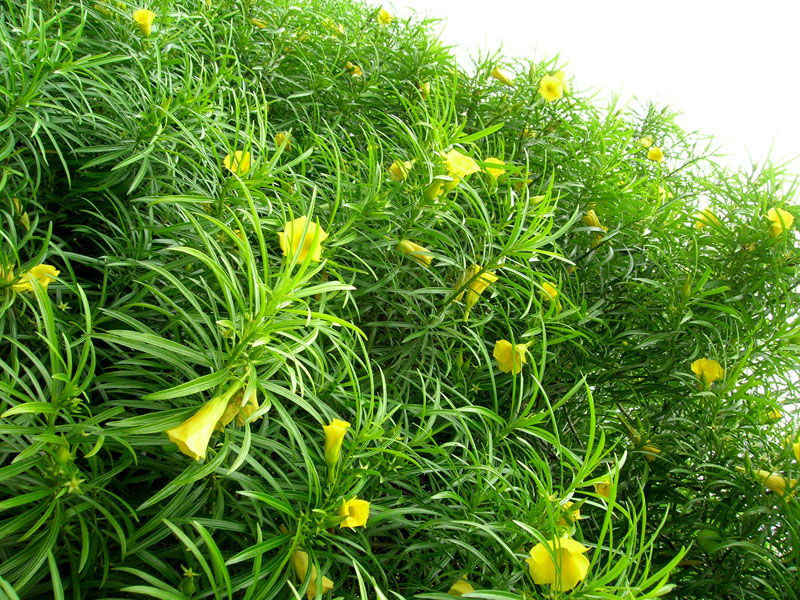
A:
(417, 323)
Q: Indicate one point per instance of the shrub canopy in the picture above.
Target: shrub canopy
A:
(292, 304)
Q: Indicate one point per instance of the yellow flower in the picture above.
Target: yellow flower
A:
(299, 561)
(650, 450)
(425, 89)
(22, 216)
(334, 436)
(774, 414)
(459, 165)
(238, 164)
(655, 153)
(706, 217)
(494, 167)
(551, 88)
(549, 291)
(708, 371)
(780, 221)
(592, 220)
(292, 241)
(385, 17)
(510, 357)
(777, 483)
(354, 70)
(476, 284)
(646, 141)
(560, 562)
(42, 273)
(416, 252)
(502, 77)
(235, 409)
(281, 137)
(336, 29)
(461, 587)
(260, 23)
(355, 513)
(193, 434)
(562, 77)
(603, 489)
(144, 19)
(796, 450)
(399, 169)
(570, 515)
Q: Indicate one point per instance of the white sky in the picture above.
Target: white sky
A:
(732, 68)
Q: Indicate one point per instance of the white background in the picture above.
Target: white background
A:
(731, 68)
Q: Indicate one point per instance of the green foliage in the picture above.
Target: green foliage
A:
(174, 299)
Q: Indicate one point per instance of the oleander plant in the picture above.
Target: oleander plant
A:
(294, 305)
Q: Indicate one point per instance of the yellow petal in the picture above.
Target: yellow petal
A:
(238, 162)
(292, 241)
(355, 513)
(144, 19)
(416, 252)
(385, 17)
(192, 436)
(334, 436)
(551, 88)
(655, 154)
(502, 77)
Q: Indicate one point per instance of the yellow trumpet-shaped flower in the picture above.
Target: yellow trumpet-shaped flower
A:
(777, 483)
(355, 513)
(655, 154)
(560, 562)
(425, 89)
(551, 88)
(459, 165)
(571, 515)
(398, 170)
(562, 77)
(708, 371)
(353, 69)
(705, 218)
(334, 436)
(476, 286)
(796, 450)
(502, 77)
(144, 19)
(416, 252)
(234, 409)
(592, 220)
(42, 273)
(603, 488)
(510, 357)
(293, 242)
(237, 163)
(549, 291)
(651, 451)
(299, 560)
(22, 216)
(385, 17)
(461, 587)
(494, 167)
(646, 141)
(193, 434)
(780, 220)
(281, 137)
